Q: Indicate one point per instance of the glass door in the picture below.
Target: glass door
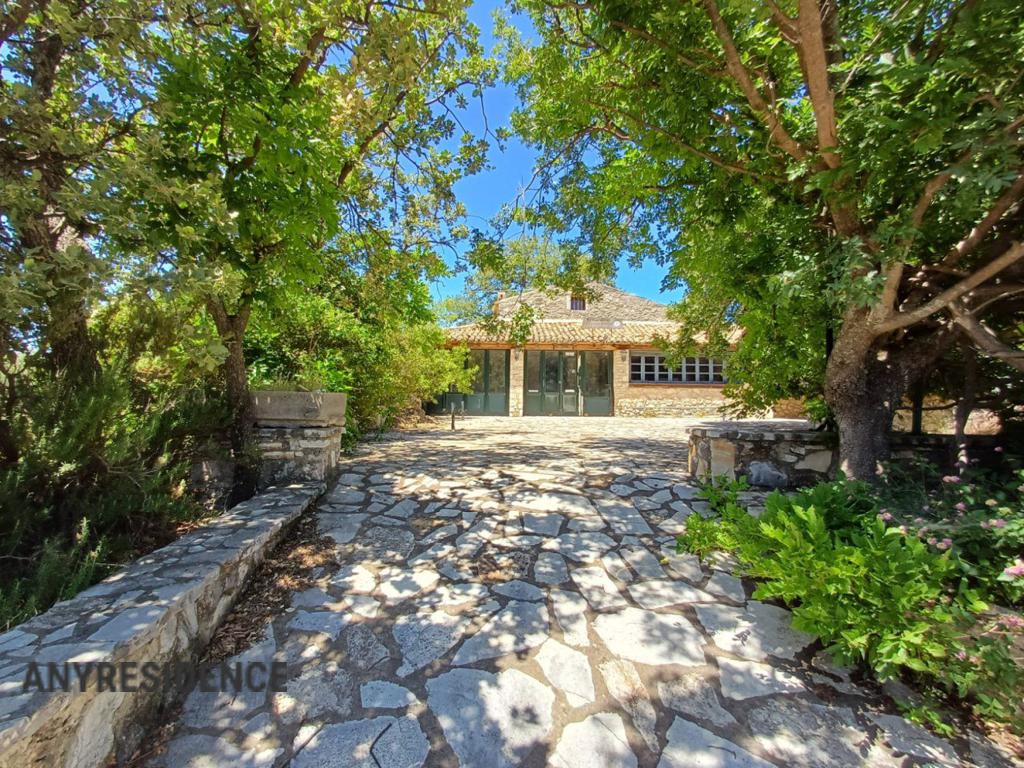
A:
(490, 386)
(569, 405)
(550, 383)
(596, 383)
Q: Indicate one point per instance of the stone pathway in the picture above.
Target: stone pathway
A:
(509, 594)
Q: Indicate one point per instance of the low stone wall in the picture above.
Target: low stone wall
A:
(162, 608)
(784, 458)
(772, 458)
(298, 454)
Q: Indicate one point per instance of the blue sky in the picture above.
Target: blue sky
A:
(510, 170)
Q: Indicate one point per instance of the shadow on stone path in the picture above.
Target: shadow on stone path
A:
(509, 594)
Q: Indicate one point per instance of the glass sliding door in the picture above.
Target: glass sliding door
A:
(490, 385)
(596, 383)
(569, 406)
(533, 399)
(497, 382)
(550, 383)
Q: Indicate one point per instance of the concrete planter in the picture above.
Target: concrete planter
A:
(299, 409)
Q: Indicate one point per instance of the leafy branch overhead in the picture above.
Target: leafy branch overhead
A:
(844, 181)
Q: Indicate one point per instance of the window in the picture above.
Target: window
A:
(577, 302)
(653, 369)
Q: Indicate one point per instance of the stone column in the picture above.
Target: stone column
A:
(517, 367)
(620, 381)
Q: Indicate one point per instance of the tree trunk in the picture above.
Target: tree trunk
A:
(231, 328)
(863, 436)
(862, 416)
(964, 406)
(865, 380)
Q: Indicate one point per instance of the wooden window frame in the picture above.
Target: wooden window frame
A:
(647, 368)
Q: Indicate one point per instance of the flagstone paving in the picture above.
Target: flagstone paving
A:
(508, 594)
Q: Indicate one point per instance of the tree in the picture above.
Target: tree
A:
(878, 148)
(74, 82)
(288, 137)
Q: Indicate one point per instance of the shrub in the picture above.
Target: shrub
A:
(100, 478)
(873, 592)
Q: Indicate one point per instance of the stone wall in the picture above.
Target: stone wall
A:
(162, 608)
(774, 456)
(516, 373)
(662, 400)
(298, 454)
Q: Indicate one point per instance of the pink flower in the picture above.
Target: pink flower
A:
(951, 479)
(945, 544)
(932, 540)
(885, 516)
(919, 520)
(1012, 621)
(998, 449)
(903, 530)
(921, 532)
(1014, 571)
(961, 655)
(961, 506)
(997, 523)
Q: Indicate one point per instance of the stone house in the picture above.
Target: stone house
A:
(593, 355)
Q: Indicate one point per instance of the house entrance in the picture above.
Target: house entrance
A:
(567, 383)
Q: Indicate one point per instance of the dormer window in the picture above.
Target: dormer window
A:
(577, 303)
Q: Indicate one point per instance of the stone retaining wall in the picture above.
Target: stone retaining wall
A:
(783, 458)
(162, 608)
(769, 458)
(293, 454)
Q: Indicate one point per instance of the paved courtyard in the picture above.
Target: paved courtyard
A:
(509, 594)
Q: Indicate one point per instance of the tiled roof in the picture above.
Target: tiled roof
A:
(611, 317)
(624, 333)
(605, 303)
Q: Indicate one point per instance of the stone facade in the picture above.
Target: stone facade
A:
(604, 303)
(162, 608)
(781, 458)
(662, 400)
(516, 373)
(612, 321)
(298, 454)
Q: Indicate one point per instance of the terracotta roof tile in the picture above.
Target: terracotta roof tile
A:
(626, 333)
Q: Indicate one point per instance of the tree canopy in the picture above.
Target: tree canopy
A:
(842, 180)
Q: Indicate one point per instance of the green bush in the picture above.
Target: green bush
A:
(100, 479)
(388, 355)
(874, 593)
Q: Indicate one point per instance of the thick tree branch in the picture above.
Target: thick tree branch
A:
(1000, 207)
(815, 59)
(1012, 255)
(786, 24)
(893, 277)
(315, 41)
(776, 131)
(985, 339)
(370, 139)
